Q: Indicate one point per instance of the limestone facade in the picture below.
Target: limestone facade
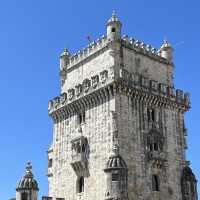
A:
(119, 92)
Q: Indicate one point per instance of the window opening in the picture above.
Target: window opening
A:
(155, 147)
(81, 184)
(24, 196)
(151, 114)
(115, 177)
(113, 30)
(155, 183)
(81, 118)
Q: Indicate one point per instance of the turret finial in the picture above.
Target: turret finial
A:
(28, 172)
(114, 13)
(166, 50)
(114, 17)
(65, 53)
(115, 149)
(166, 44)
(28, 166)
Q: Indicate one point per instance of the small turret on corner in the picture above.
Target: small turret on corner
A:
(117, 176)
(166, 51)
(64, 61)
(27, 188)
(114, 28)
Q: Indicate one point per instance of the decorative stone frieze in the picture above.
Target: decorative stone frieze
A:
(135, 80)
(78, 89)
(71, 93)
(95, 81)
(104, 76)
(86, 85)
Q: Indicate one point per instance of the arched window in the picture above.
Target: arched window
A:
(83, 148)
(81, 184)
(151, 115)
(155, 146)
(24, 196)
(155, 183)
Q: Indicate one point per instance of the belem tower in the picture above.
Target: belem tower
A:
(119, 131)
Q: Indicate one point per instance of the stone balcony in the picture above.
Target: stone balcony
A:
(79, 158)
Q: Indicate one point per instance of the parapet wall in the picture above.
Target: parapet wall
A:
(102, 42)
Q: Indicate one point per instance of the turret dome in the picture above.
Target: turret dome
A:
(188, 175)
(65, 53)
(115, 161)
(166, 44)
(28, 182)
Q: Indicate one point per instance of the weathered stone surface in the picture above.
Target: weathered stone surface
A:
(117, 91)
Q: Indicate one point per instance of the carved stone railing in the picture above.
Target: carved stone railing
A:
(132, 83)
(81, 89)
(140, 82)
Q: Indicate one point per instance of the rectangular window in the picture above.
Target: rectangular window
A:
(151, 115)
(81, 118)
(115, 177)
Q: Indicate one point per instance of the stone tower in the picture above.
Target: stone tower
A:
(119, 129)
(27, 188)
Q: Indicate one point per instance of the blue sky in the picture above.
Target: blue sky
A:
(32, 35)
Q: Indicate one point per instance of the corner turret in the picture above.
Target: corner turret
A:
(114, 28)
(64, 61)
(27, 188)
(116, 171)
(166, 51)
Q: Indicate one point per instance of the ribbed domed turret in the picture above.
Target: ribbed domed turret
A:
(28, 182)
(188, 184)
(188, 174)
(115, 160)
(116, 173)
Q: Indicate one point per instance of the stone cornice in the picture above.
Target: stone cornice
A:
(150, 98)
(121, 86)
(90, 100)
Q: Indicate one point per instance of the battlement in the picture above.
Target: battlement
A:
(132, 43)
(92, 48)
(133, 80)
(145, 49)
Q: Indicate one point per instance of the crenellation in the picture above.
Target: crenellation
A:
(92, 48)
